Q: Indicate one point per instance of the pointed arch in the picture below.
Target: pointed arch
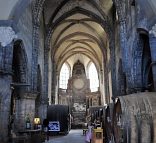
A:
(20, 62)
(93, 76)
(64, 76)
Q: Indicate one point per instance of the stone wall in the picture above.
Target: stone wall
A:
(5, 101)
(133, 29)
(24, 100)
(25, 34)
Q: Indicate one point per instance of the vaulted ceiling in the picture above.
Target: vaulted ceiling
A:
(78, 32)
(77, 26)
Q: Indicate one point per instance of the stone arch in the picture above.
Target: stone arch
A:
(59, 70)
(82, 23)
(74, 53)
(147, 76)
(105, 24)
(80, 47)
(83, 34)
(96, 66)
(91, 2)
(142, 71)
(18, 9)
(20, 61)
(19, 83)
(38, 7)
(67, 64)
(97, 70)
(95, 17)
(37, 12)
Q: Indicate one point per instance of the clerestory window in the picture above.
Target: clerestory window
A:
(93, 76)
(64, 76)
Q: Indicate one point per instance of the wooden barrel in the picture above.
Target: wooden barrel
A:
(61, 114)
(108, 122)
(134, 118)
(96, 112)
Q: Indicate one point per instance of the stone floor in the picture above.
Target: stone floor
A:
(74, 136)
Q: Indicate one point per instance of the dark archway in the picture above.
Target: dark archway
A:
(19, 83)
(147, 76)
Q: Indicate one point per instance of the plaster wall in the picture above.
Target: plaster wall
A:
(25, 34)
(6, 7)
(149, 7)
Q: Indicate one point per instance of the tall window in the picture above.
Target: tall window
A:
(93, 76)
(64, 76)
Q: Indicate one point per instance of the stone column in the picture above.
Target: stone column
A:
(123, 45)
(35, 49)
(25, 106)
(56, 88)
(54, 80)
(136, 70)
(5, 101)
(120, 8)
(44, 98)
(152, 41)
(43, 108)
(6, 54)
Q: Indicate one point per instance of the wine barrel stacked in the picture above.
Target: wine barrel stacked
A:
(108, 123)
(60, 113)
(96, 112)
(134, 118)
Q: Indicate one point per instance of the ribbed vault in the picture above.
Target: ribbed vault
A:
(79, 33)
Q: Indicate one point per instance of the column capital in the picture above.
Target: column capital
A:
(153, 31)
(29, 96)
(7, 34)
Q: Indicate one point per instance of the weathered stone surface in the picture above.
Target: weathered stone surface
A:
(152, 40)
(5, 101)
(7, 34)
(124, 64)
(25, 106)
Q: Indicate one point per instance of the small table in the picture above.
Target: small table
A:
(30, 132)
(34, 135)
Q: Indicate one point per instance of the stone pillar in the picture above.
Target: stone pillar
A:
(57, 88)
(120, 8)
(137, 58)
(25, 106)
(152, 41)
(6, 54)
(5, 101)
(113, 70)
(142, 22)
(54, 80)
(44, 98)
(123, 45)
(121, 80)
(43, 109)
(35, 49)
